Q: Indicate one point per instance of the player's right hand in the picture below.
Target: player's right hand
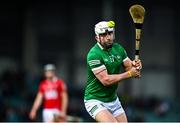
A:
(134, 72)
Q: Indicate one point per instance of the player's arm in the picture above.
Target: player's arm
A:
(36, 105)
(97, 66)
(64, 100)
(63, 115)
(128, 64)
(107, 79)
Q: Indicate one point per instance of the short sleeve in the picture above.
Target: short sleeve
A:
(62, 86)
(123, 53)
(95, 62)
(125, 57)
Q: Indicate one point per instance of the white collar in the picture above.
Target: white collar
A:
(100, 45)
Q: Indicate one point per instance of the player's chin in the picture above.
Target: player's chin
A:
(109, 46)
(110, 43)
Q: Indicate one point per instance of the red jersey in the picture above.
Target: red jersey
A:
(52, 93)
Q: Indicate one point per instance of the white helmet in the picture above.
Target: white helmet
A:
(49, 67)
(104, 26)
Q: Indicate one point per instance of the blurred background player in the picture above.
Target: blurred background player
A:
(105, 60)
(53, 93)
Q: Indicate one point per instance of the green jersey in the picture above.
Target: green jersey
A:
(111, 60)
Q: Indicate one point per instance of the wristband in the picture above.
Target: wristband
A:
(129, 73)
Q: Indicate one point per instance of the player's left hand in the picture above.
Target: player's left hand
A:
(59, 117)
(63, 116)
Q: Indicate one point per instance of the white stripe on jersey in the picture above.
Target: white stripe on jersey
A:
(97, 69)
(94, 62)
(125, 59)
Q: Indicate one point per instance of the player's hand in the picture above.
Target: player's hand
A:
(32, 114)
(134, 72)
(63, 116)
(137, 64)
(59, 117)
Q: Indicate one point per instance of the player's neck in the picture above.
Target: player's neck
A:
(52, 78)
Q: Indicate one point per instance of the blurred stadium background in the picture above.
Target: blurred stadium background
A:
(35, 33)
